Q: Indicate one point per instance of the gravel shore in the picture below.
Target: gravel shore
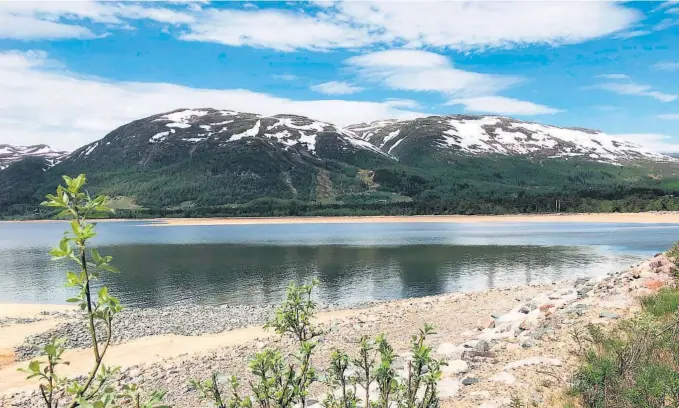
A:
(134, 323)
(500, 344)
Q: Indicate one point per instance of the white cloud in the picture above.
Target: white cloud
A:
(613, 76)
(666, 23)
(503, 106)
(413, 70)
(351, 24)
(667, 66)
(403, 103)
(285, 77)
(631, 34)
(29, 20)
(654, 141)
(67, 111)
(631, 88)
(336, 88)
(473, 25)
(669, 116)
(277, 29)
(402, 58)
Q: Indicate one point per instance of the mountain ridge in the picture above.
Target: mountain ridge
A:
(231, 161)
(490, 134)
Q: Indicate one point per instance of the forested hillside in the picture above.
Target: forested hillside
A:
(206, 162)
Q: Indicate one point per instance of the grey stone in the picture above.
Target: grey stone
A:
(608, 315)
(470, 381)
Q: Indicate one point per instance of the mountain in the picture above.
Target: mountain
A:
(209, 157)
(10, 154)
(208, 161)
(485, 135)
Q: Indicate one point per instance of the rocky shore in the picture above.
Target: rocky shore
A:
(501, 345)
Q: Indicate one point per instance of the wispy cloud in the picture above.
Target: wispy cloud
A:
(625, 86)
(631, 34)
(336, 88)
(613, 76)
(28, 20)
(504, 106)
(413, 70)
(450, 25)
(667, 66)
(631, 88)
(669, 116)
(285, 77)
(654, 141)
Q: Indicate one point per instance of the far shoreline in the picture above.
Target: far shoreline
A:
(657, 217)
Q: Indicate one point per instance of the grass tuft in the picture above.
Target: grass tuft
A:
(661, 304)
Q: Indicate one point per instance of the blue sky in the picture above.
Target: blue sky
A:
(72, 71)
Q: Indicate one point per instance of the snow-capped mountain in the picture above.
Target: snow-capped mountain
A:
(10, 154)
(192, 129)
(482, 135)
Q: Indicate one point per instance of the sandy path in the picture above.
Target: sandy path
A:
(637, 218)
(140, 351)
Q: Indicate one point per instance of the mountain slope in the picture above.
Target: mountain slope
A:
(208, 157)
(488, 135)
(225, 162)
(11, 154)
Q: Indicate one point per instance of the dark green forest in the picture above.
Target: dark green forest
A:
(456, 185)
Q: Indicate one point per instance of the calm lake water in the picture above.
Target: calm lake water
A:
(252, 264)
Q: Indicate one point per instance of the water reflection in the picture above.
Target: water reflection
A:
(253, 264)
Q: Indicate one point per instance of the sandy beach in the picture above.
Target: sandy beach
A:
(660, 217)
(635, 218)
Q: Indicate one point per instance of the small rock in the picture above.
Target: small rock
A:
(608, 315)
(455, 367)
(470, 381)
(448, 387)
(482, 346)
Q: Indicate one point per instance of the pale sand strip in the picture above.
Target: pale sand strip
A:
(143, 350)
(664, 217)
(636, 218)
(29, 310)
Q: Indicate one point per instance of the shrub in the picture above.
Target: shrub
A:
(634, 365)
(97, 390)
(368, 379)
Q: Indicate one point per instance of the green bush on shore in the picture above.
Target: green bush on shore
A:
(636, 364)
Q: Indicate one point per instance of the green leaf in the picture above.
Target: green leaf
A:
(103, 294)
(98, 260)
(34, 366)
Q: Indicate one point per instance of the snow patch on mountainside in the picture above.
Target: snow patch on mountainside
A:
(225, 126)
(252, 132)
(478, 135)
(10, 154)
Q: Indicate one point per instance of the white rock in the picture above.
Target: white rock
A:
(503, 377)
(511, 317)
(448, 387)
(450, 350)
(455, 367)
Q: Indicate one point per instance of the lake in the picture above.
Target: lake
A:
(356, 262)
